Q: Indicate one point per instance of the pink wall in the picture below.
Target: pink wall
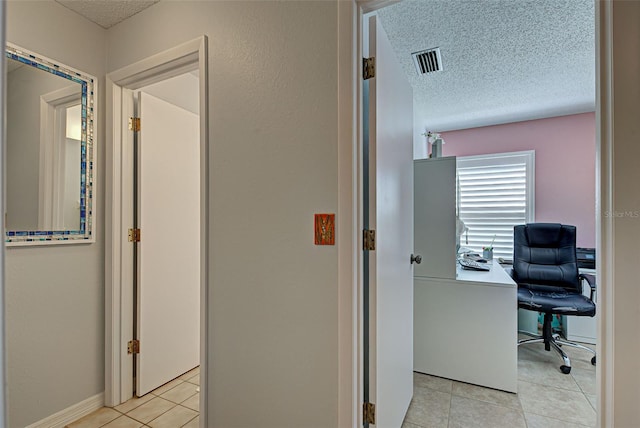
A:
(565, 153)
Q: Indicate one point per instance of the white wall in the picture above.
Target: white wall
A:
(181, 91)
(273, 87)
(55, 294)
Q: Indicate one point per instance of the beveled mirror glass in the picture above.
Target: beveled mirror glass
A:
(50, 151)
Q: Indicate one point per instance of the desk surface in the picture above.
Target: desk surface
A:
(496, 276)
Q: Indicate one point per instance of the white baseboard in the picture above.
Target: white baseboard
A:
(71, 414)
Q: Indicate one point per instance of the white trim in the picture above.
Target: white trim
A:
(358, 192)
(71, 414)
(119, 188)
(367, 6)
(348, 413)
(3, 207)
(605, 276)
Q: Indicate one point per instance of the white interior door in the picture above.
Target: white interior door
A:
(391, 215)
(168, 308)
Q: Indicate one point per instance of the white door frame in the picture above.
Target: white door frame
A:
(119, 269)
(604, 203)
(3, 194)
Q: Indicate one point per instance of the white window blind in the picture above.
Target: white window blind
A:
(495, 193)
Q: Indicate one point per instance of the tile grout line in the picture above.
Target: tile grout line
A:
(552, 386)
(192, 419)
(556, 419)
(176, 405)
(449, 411)
(148, 422)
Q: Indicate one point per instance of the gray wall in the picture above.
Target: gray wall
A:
(55, 294)
(273, 163)
(273, 330)
(620, 215)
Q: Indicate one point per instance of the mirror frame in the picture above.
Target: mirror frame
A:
(85, 233)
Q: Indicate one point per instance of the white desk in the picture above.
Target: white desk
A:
(466, 328)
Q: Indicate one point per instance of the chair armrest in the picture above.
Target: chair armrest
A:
(508, 270)
(591, 280)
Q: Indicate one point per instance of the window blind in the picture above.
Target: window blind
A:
(495, 193)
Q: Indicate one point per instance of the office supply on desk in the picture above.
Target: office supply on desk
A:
(475, 257)
(473, 265)
(545, 267)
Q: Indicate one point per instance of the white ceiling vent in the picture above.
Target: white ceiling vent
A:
(427, 61)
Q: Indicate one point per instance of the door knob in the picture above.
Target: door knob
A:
(416, 259)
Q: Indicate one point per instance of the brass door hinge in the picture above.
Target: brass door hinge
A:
(369, 413)
(133, 347)
(368, 68)
(134, 235)
(369, 240)
(134, 124)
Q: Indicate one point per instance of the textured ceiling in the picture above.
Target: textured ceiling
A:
(107, 13)
(503, 60)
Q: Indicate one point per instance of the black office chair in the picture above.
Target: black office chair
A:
(545, 268)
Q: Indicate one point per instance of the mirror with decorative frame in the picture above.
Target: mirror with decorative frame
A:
(50, 111)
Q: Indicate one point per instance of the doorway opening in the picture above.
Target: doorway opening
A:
(373, 6)
(167, 264)
(138, 177)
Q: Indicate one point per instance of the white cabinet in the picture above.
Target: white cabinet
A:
(466, 328)
(465, 322)
(435, 217)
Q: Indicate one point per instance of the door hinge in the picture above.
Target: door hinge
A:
(369, 413)
(368, 68)
(369, 240)
(134, 235)
(133, 347)
(134, 124)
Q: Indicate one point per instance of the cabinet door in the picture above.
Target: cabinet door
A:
(435, 217)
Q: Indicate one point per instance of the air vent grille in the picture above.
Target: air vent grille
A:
(427, 61)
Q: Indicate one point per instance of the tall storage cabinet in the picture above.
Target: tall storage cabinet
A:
(435, 217)
(464, 322)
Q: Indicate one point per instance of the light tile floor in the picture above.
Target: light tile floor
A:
(546, 398)
(174, 405)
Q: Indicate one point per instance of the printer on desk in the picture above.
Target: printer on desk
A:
(586, 258)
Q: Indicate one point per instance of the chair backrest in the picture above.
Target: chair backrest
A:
(544, 254)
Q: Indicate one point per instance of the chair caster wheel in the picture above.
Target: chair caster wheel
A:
(565, 369)
(593, 361)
